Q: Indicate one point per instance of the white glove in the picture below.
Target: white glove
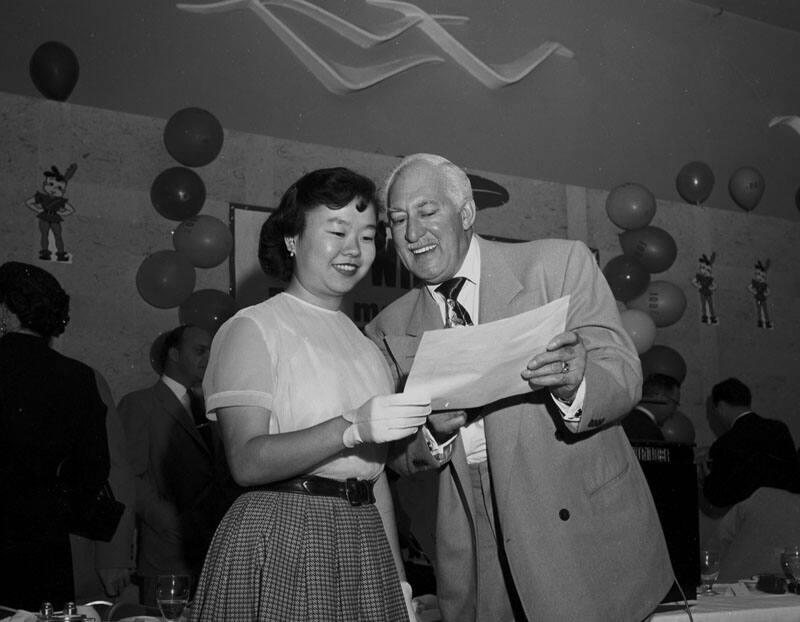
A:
(385, 418)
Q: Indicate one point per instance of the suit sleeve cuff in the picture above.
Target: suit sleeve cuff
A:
(440, 452)
(571, 413)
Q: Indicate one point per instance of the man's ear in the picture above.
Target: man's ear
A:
(468, 212)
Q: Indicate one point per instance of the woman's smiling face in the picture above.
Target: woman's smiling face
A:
(333, 253)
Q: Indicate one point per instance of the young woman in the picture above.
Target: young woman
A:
(305, 405)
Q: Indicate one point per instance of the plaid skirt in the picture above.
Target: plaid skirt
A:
(280, 556)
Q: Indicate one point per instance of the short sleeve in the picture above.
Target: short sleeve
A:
(240, 369)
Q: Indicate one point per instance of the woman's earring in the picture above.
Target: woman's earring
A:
(290, 248)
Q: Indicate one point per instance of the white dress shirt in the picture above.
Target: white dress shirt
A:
(181, 392)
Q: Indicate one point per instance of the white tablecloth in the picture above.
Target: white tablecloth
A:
(748, 606)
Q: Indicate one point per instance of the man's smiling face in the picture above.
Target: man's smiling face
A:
(430, 229)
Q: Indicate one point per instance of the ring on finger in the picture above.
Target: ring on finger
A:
(564, 367)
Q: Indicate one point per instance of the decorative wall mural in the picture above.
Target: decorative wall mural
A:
(703, 281)
(342, 79)
(759, 288)
(51, 206)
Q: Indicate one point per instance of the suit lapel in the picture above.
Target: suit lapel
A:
(173, 407)
(424, 316)
(501, 296)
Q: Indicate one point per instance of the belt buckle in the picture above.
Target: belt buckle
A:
(357, 491)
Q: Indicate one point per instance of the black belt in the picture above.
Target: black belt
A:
(356, 491)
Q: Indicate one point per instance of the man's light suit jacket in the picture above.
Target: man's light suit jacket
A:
(578, 523)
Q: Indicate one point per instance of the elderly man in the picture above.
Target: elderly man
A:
(543, 511)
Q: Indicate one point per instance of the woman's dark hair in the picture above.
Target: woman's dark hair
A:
(35, 297)
(331, 187)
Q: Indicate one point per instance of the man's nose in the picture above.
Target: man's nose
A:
(414, 231)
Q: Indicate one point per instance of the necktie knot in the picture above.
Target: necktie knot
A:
(455, 313)
(451, 288)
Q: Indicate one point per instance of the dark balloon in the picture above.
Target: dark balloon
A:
(653, 247)
(665, 302)
(206, 241)
(193, 136)
(663, 360)
(678, 428)
(178, 193)
(746, 187)
(695, 182)
(54, 70)
(207, 308)
(165, 279)
(626, 277)
(630, 206)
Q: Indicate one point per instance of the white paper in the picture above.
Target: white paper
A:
(471, 366)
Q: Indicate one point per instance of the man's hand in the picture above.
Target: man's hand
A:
(445, 423)
(114, 580)
(561, 367)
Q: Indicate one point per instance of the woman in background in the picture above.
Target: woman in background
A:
(293, 383)
(52, 436)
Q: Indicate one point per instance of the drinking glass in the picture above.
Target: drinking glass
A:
(172, 595)
(790, 562)
(709, 571)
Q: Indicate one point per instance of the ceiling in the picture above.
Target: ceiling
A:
(781, 13)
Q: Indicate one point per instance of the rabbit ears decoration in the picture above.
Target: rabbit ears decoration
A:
(763, 267)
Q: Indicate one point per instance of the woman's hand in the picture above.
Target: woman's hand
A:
(385, 418)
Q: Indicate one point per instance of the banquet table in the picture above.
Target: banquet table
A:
(737, 603)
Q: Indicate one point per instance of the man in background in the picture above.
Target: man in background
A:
(661, 396)
(183, 487)
(543, 511)
(751, 452)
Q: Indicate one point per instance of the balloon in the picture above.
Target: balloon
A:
(204, 240)
(665, 302)
(155, 352)
(165, 279)
(695, 182)
(193, 136)
(653, 247)
(678, 428)
(178, 193)
(626, 277)
(746, 187)
(663, 360)
(54, 70)
(630, 206)
(207, 308)
(641, 328)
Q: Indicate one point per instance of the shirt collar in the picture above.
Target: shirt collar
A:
(648, 413)
(176, 387)
(470, 267)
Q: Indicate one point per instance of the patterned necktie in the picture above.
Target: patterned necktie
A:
(456, 314)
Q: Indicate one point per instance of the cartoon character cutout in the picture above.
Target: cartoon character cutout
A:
(51, 206)
(760, 289)
(704, 282)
